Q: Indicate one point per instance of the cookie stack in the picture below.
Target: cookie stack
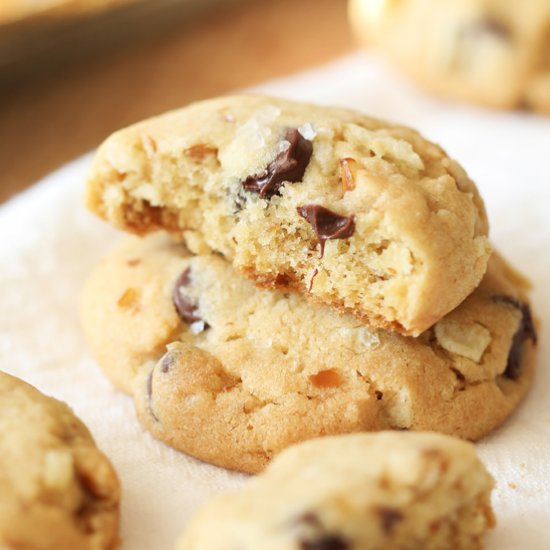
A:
(301, 271)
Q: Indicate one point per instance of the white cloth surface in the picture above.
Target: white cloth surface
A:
(49, 244)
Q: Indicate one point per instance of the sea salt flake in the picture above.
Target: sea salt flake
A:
(197, 327)
(308, 131)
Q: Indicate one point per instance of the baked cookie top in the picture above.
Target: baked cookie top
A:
(493, 52)
(232, 374)
(353, 212)
(363, 491)
(57, 490)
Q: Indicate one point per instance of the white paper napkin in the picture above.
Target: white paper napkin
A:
(49, 244)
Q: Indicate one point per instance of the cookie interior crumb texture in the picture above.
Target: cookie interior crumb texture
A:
(57, 490)
(491, 52)
(233, 374)
(353, 212)
(356, 492)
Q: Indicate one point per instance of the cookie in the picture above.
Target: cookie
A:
(389, 490)
(349, 211)
(492, 52)
(233, 374)
(57, 490)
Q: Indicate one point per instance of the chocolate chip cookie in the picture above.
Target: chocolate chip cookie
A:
(410, 491)
(232, 374)
(352, 212)
(493, 52)
(57, 490)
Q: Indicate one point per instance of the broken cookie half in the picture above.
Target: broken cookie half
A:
(352, 212)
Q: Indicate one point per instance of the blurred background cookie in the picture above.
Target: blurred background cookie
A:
(58, 491)
(413, 491)
(491, 52)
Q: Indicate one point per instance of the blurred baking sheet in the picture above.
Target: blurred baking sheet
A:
(40, 35)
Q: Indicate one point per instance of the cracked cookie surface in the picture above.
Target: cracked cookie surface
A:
(57, 490)
(392, 490)
(493, 52)
(350, 211)
(232, 374)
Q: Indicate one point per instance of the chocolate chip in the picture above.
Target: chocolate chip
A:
(186, 309)
(307, 518)
(327, 224)
(525, 331)
(325, 542)
(389, 518)
(289, 166)
(486, 26)
(167, 361)
(491, 25)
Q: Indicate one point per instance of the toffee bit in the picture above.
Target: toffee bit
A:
(348, 173)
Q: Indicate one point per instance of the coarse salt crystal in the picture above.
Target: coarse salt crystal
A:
(197, 327)
(308, 131)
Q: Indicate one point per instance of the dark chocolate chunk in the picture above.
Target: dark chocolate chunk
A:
(325, 542)
(186, 310)
(327, 224)
(389, 518)
(289, 166)
(525, 331)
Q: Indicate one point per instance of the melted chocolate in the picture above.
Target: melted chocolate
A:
(327, 224)
(185, 308)
(389, 518)
(289, 166)
(325, 542)
(525, 331)
(490, 25)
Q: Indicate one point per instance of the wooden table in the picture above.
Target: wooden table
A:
(50, 121)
